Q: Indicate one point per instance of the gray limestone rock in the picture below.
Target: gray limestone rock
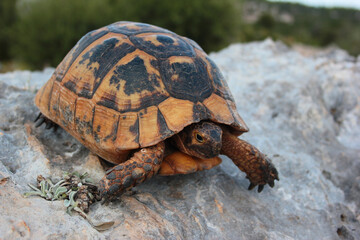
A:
(302, 110)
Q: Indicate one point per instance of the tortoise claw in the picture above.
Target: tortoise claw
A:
(251, 186)
(260, 188)
(269, 176)
(273, 173)
(40, 122)
(41, 119)
(48, 125)
(38, 117)
(271, 183)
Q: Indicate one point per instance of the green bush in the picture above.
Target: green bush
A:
(41, 32)
(313, 26)
(7, 19)
(211, 23)
(48, 29)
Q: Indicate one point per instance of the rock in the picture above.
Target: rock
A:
(303, 111)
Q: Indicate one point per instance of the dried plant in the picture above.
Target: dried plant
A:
(77, 191)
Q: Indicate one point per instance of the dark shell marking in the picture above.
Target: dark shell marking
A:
(136, 80)
(162, 45)
(182, 78)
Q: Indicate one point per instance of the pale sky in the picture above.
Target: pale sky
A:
(326, 3)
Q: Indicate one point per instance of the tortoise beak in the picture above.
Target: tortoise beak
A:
(216, 150)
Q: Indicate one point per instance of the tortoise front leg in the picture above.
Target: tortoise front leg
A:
(141, 166)
(249, 159)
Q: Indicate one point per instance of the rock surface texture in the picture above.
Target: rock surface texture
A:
(303, 111)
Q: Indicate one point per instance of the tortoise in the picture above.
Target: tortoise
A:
(151, 102)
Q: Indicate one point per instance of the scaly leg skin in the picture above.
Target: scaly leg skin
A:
(249, 159)
(141, 166)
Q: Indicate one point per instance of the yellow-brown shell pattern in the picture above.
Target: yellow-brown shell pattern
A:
(130, 85)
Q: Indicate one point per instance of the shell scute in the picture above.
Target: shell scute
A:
(172, 108)
(133, 84)
(137, 80)
(149, 129)
(54, 101)
(95, 62)
(162, 45)
(80, 46)
(128, 132)
(181, 75)
(104, 132)
(215, 104)
(84, 118)
(67, 106)
(220, 84)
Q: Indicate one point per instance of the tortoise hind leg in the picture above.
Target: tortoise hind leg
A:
(141, 166)
(40, 119)
(181, 163)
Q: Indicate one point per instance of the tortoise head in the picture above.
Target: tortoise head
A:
(202, 140)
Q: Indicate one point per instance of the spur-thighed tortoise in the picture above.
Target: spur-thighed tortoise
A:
(129, 91)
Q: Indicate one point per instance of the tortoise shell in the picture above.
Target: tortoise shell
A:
(131, 85)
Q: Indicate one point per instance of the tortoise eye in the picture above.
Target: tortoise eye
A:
(199, 138)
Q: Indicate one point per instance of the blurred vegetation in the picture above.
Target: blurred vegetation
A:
(48, 29)
(41, 32)
(293, 23)
(8, 16)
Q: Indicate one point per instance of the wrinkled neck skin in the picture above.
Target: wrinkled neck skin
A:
(202, 140)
